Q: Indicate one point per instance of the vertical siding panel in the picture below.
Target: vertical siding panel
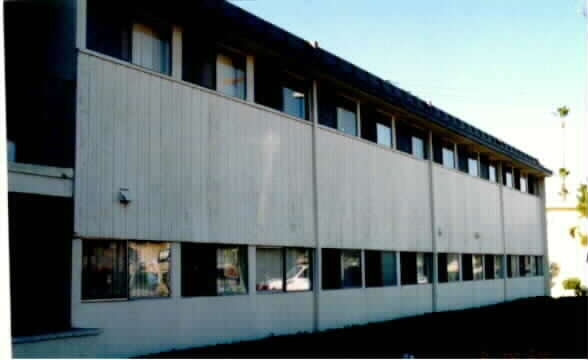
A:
(201, 102)
(82, 116)
(118, 153)
(130, 170)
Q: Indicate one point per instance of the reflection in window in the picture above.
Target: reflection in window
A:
(539, 265)
(298, 269)
(513, 266)
(341, 268)
(269, 269)
(346, 121)
(473, 166)
(508, 177)
(418, 147)
(149, 269)
(523, 183)
(452, 267)
(104, 269)
(498, 267)
(351, 260)
(380, 268)
(448, 267)
(448, 158)
(212, 270)
(424, 268)
(294, 102)
(478, 267)
(384, 134)
(375, 125)
(232, 75)
(492, 170)
(152, 48)
(231, 269)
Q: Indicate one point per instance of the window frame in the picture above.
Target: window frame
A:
(284, 270)
(341, 278)
(370, 283)
(214, 248)
(232, 53)
(127, 264)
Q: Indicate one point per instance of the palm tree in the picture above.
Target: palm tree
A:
(562, 112)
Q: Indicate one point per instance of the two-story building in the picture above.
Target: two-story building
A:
(185, 173)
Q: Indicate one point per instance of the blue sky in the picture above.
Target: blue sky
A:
(504, 66)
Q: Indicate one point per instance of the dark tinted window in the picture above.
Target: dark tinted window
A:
(198, 59)
(467, 264)
(104, 269)
(109, 32)
(376, 126)
(211, 269)
(411, 140)
(331, 269)
(489, 266)
(380, 268)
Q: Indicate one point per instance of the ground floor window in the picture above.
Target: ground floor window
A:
(122, 269)
(539, 265)
(416, 268)
(448, 267)
(213, 269)
(283, 269)
(513, 266)
(380, 267)
(478, 267)
(341, 269)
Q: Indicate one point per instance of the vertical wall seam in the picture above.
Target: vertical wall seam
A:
(433, 222)
(499, 179)
(317, 255)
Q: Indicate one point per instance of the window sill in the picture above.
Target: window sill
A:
(56, 335)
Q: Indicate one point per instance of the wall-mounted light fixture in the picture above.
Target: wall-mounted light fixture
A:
(124, 196)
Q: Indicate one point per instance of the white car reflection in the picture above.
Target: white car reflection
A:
(297, 279)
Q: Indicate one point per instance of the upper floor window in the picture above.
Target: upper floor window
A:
(109, 32)
(508, 179)
(376, 126)
(231, 74)
(523, 183)
(411, 140)
(337, 112)
(443, 152)
(281, 90)
(152, 47)
(472, 165)
(492, 172)
(117, 34)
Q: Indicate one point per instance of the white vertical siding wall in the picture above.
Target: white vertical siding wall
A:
(370, 197)
(199, 166)
(466, 205)
(523, 225)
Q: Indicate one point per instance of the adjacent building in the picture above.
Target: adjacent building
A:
(185, 173)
